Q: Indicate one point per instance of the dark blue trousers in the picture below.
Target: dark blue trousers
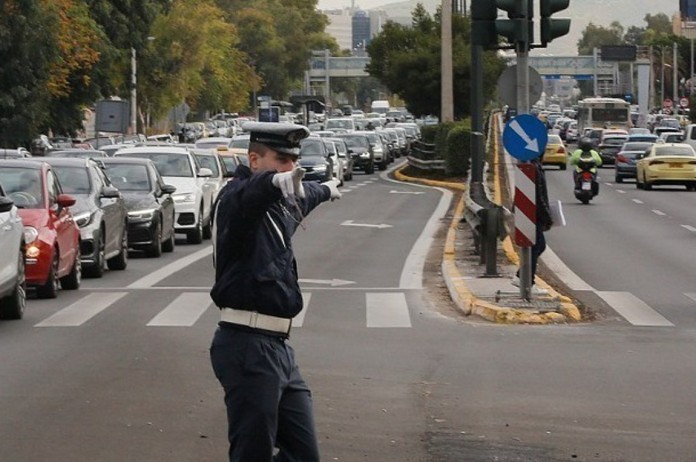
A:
(268, 403)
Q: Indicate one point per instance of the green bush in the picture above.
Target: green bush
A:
(458, 149)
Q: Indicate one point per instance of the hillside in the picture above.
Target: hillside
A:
(582, 12)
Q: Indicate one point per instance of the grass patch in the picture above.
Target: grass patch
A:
(435, 175)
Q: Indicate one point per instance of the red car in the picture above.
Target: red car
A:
(51, 235)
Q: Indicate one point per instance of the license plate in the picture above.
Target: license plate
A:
(586, 186)
(676, 165)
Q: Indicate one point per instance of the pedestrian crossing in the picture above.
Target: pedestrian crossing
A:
(379, 310)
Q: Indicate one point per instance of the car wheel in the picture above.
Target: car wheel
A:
(120, 261)
(12, 306)
(691, 187)
(647, 186)
(155, 248)
(97, 270)
(618, 179)
(563, 166)
(370, 169)
(195, 236)
(50, 287)
(73, 279)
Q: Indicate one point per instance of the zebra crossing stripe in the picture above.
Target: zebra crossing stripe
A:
(184, 311)
(82, 310)
(387, 310)
(634, 310)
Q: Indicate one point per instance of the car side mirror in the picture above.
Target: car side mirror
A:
(6, 204)
(110, 192)
(64, 200)
(168, 189)
(205, 172)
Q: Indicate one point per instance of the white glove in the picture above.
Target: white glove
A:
(290, 183)
(333, 187)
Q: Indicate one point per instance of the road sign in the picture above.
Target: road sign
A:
(684, 102)
(507, 85)
(525, 205)
(667, 103)
(525, 137)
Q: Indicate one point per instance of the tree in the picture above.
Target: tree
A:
(194, 58)
(27, 52)
(595, 36)
(407, 61)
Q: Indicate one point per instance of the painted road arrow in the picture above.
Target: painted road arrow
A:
(393, 191)
(365, 225)
(330, 282)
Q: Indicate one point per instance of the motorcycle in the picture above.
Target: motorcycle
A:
(586, 186)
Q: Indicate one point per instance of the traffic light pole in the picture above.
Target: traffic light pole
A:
(522, 51)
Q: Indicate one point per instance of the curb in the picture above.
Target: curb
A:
(463, 298)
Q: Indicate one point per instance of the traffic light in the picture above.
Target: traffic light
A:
(553, 28)
(485, 27)
(513, 28)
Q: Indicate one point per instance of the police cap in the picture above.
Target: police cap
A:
(281, 137)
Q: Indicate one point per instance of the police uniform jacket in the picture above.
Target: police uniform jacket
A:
(255, 266)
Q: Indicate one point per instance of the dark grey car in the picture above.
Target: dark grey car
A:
(149, 202)
(99, 211)
(625, 164)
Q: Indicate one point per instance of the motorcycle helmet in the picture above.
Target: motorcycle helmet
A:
(585, 144)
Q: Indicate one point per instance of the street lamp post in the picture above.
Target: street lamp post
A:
(134, 93)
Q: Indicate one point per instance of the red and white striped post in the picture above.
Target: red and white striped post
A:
(525, 205)
(525, 223)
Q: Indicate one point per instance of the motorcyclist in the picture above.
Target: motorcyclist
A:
(585, 153)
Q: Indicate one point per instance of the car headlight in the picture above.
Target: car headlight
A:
(364, 155)
(184, 198)
(146, 214)
(30, 234)
(83, 219)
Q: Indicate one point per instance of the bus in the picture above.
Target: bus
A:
(604, 113)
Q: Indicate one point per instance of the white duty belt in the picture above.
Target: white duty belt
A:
(256, 320)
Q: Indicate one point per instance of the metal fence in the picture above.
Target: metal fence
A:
(423, 157)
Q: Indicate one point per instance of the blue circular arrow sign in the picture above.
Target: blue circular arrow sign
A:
(525, 137)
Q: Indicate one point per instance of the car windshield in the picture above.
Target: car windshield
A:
(357, 141)
(74, 180)
(339, 123)
(129, 177)
(614, 141)
(211, 144)
(675, 151)
(168, 164)
(555, 139)
(208, 162)
(240, 143)
(642, 147)
(23, 186)
(311, 148)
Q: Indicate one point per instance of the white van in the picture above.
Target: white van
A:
(381, 106)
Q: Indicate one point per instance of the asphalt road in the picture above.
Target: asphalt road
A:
(119, 370)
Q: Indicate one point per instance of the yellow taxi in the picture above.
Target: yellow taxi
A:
(667, 163)
(555, 153)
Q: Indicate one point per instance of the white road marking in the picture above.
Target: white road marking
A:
(412, 272)
(298, 320)
(166, 271)
(609, 184)
(637, 201)
(393, 191)
(387, 310)
(82, 310)
(657, 212)
(366, 225)
(331, 282)
(690, 228)
(184, 311)
(565, 274)
(621, 191)
(634, 310)
(692, 296)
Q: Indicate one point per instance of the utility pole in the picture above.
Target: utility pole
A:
(446, 79)
(134, 93)
(675, 76)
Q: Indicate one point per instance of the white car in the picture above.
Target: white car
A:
(193, 200)
(13, 293)
(209, 158)
(339, 164)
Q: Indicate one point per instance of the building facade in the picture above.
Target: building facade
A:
(361, 30)
(340, 27)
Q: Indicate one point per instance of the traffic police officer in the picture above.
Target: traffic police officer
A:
(269, 405)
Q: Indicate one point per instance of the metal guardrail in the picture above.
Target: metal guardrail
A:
(423, 157)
